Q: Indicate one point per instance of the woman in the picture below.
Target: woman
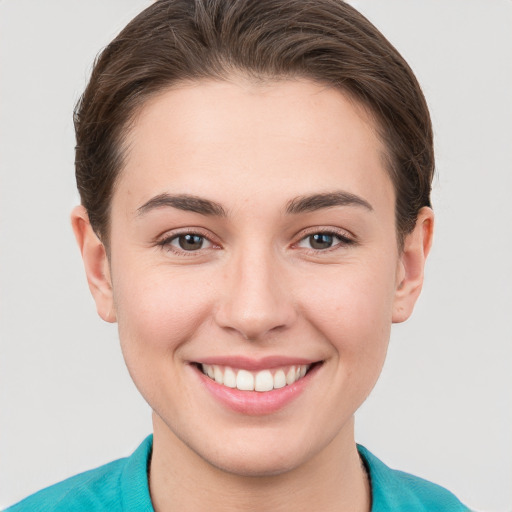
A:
(255, 181)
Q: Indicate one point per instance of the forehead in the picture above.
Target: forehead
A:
(277, 138)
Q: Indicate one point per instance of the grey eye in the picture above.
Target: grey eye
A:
(322, 241)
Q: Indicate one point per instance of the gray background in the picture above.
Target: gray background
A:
(443, 407)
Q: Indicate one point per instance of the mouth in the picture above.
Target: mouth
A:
(256, 387)
(262, 381)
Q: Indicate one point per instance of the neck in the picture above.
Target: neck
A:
(333, 480)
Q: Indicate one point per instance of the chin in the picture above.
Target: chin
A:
(260, 452)
(260, 464)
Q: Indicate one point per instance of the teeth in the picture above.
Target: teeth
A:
(264, 380)
(229, 378)
(218, 375)
(245, 380)
(279, 379)
(290, 376)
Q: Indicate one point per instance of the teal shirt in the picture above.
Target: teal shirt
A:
(122, 485)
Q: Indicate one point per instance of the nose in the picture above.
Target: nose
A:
(256, 298)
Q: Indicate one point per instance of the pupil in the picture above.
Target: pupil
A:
(321, 241)
(191, 242)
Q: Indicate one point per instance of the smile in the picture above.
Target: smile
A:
(256, 387)
(263, 380)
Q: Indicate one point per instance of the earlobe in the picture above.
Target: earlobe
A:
(96, 263)
(411, 266)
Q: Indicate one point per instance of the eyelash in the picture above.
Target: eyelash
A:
(343, 241)
(166, 242)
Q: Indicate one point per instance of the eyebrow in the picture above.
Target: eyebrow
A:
(315, 202)
(297, 205)
(184, 202)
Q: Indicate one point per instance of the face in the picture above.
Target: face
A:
(254, 270)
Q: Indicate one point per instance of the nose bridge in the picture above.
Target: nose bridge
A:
(256, 300)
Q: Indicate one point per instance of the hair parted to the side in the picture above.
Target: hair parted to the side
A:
(327, 41)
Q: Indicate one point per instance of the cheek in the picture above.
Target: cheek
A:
(158, 310)
(354, 307)
(157, 313)
(353, 314)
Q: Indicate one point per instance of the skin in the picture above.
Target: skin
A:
(257, 287)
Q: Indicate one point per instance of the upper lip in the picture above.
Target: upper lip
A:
(255, 364)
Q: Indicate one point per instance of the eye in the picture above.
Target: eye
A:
(320, 240)
(189, 242)
(324, 240)
(186, 242)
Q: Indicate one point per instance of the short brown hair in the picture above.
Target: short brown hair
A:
(327, 41)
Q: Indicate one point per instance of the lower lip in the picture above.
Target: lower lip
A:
(256, 403)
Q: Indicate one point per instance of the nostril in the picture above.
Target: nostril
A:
(255, 304)
(256, 325)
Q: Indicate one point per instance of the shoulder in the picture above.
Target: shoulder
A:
(114, 486)
(399, 491)
(95, 487)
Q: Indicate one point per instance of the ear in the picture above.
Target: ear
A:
(411, 265)
(96, 263)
